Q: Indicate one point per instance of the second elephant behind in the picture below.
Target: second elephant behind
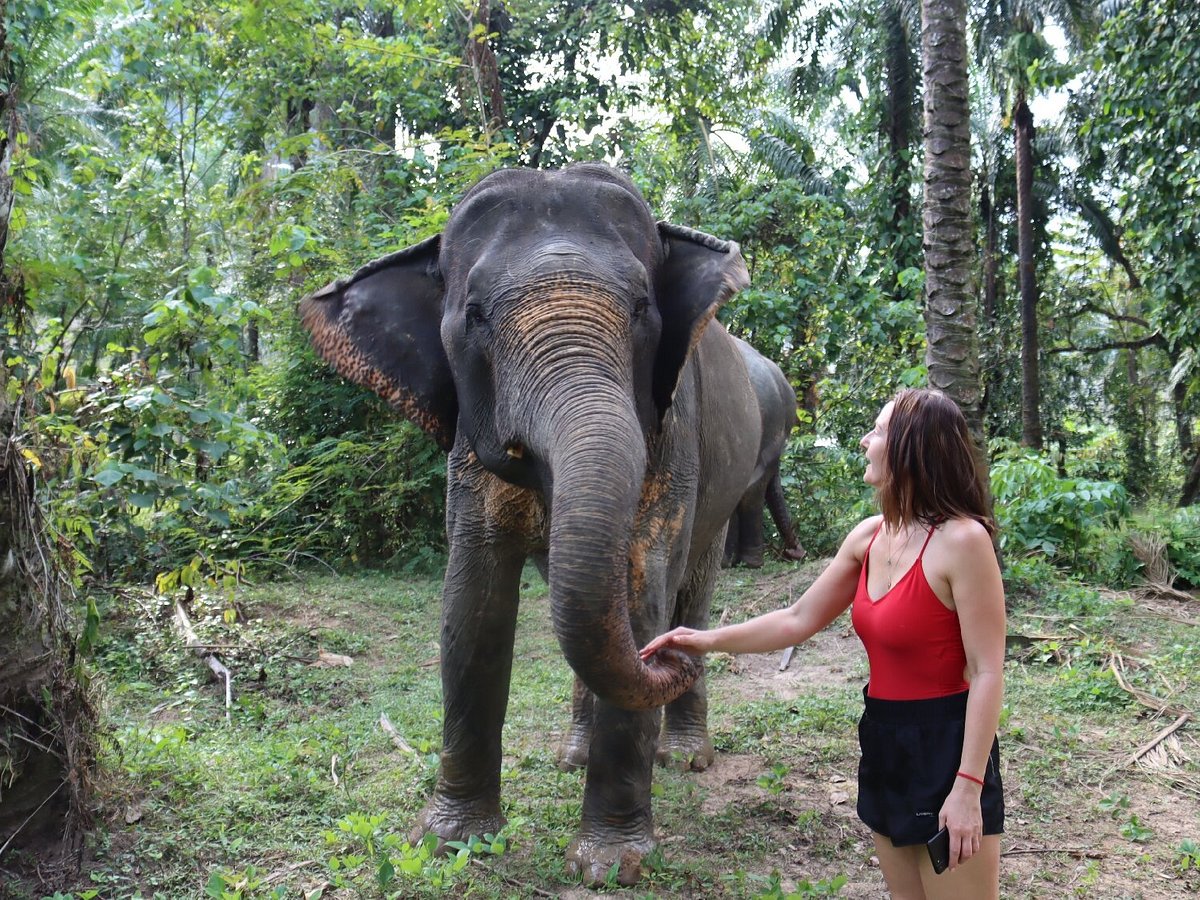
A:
(745, 542)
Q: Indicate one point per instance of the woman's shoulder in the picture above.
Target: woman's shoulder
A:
(859, 538)
(965, 536)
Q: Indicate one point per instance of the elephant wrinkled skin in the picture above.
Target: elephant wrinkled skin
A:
(562, 347)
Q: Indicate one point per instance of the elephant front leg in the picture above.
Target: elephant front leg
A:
(573, 751)
(617, 828)
(685, 743)
(479, 613)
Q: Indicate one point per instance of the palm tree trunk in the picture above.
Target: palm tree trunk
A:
(1031, 417)
(952, 345)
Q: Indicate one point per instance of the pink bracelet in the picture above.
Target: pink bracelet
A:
(978, 781)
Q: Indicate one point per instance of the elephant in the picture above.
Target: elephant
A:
(744, 541)
(562, 347)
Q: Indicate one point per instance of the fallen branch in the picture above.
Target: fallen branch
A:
(1077, 852)
(184, 624)
(1157, 739)
(1117, 665)
(513, 882)
(390, 730)
(288, 870)
(12, 837)
(1155, 614)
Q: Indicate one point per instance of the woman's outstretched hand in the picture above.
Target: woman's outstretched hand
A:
(686, 639)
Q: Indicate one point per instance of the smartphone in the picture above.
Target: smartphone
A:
(939, 850)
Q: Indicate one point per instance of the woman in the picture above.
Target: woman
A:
(928, 602)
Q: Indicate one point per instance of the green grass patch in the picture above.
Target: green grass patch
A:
(299, 792)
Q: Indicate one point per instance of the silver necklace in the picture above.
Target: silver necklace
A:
(894, 554)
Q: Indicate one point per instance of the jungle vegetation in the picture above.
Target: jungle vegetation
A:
(176, 174)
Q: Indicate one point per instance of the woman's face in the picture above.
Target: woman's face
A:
(874, 443)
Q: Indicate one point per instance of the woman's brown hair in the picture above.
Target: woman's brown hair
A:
(932, 470)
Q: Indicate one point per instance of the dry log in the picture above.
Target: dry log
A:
(184, 624)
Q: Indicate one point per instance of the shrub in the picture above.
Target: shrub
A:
(1038, 512)
(825, 492)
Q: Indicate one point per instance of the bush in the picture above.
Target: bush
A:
(825, 492)
(1183, 543)
(1038, 512)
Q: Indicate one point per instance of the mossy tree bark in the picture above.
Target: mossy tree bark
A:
(952, 345)
(46, 721)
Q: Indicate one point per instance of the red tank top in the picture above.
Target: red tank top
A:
(914, 645)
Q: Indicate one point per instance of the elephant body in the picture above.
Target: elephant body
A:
(562, 347)
(744, 541)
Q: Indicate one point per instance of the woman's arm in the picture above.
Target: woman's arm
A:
(978, 593)
(823, 602)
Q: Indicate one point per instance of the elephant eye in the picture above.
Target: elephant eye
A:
(475, 314)
(639, 305)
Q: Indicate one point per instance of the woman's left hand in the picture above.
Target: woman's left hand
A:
(962, 816)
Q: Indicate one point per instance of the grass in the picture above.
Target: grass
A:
(302, 794)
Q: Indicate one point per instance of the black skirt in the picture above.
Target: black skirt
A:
(911, 751)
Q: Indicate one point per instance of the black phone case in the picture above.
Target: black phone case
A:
(939, 851)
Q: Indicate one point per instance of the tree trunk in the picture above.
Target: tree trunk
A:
(952, 353)
(1031, 416)
(1191, 485)
(899, 124)
(46, 721)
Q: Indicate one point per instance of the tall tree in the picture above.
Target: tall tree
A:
(870, 49)
(952, 352)
(46, 723)
(1139, 116)
(1012, 48)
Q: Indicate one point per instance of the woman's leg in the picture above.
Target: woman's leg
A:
(977, 878)
(901, 868)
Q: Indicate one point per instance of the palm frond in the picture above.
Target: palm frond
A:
(67, 65)
(786, 162)
(1110, 8)
(1104, 230)
(1052, 140)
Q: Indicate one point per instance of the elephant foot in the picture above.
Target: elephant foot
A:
(595, 860)
(686, 752)
(573, 751)
(456, 820)
(750, 557)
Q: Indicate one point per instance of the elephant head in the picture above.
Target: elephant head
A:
(547, 328)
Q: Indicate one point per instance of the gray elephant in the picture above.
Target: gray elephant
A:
(562, 347)
(744, 541)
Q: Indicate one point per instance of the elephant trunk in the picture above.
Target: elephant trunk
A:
(598, 463)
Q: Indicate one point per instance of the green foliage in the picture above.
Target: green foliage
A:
(370, 857)
(241, 885)
(1033, 581)
(1146, 51)
(775, 780)
(1188, 855)
(825, 491)
(1182, 535)
(826, 888)
(1039, 512)
(359, 499)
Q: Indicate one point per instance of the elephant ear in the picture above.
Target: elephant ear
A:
(699, 273)
(381, 328)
